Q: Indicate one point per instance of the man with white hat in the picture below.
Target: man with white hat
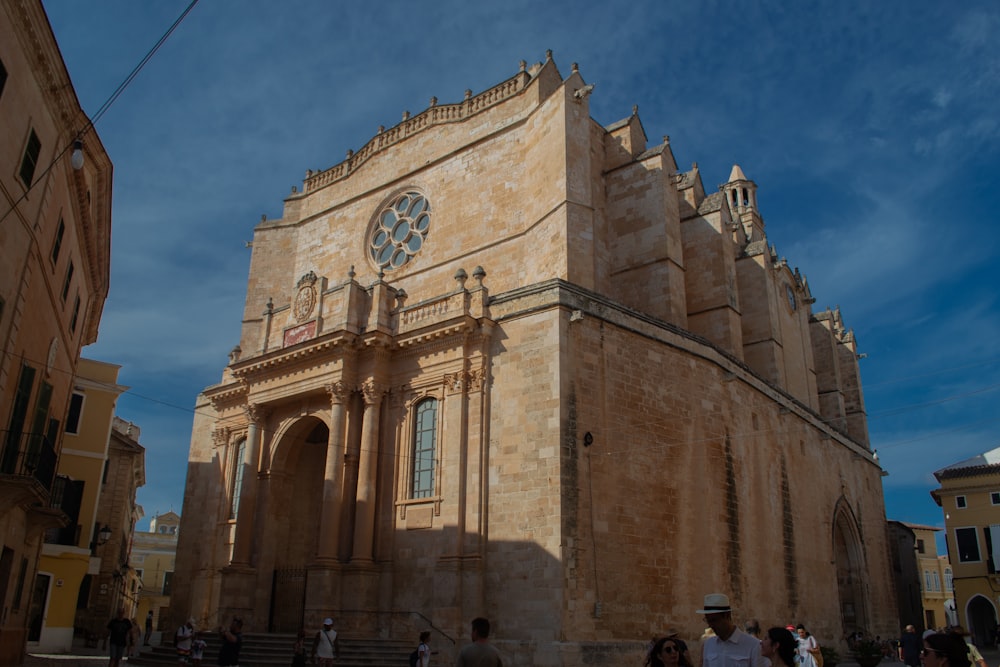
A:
(730, 647)
(325, 647)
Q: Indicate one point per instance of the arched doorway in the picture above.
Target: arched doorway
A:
(297, 475)
(982, 617)
(849, 558)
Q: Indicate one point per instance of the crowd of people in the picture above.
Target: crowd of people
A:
(723, 644)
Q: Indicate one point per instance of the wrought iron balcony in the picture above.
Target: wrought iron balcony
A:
(28, 455)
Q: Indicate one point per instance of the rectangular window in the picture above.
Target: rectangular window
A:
(41, 417)
(15, 429)
(960, 502)
(57, 243)
(937, 581)
(920, 546)
(67, 282)
(995, 497)
(927, 581)
(168, 578)
(83, 597)
(948, 583)
(30, 159)
(237, 478)
(992, 534)
(75, 410)
(76, 315)
(19, 590)
(424, 449)
(3, 77)
(967, 542)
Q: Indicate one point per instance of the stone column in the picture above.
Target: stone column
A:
(364, 522)
(333, 478)
(242, 549)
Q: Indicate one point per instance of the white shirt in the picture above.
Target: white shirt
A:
(740, 650)
(324, 649)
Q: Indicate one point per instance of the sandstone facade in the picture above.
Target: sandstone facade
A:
(505, 361)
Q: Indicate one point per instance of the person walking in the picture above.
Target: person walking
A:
(480, 653)
(779, 646)
(666, 652)
(232, 641)
(975, 657)
(326, 647)
(424, 649)
(807, 647)
(909, 646)
(149, 628)
(119, 628)
(730, 647)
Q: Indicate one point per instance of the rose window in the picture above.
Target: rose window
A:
(400, 230)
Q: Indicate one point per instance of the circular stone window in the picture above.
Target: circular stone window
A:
(399, 230)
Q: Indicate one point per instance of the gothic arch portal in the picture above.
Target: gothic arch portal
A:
(849, 557)
(981, 618)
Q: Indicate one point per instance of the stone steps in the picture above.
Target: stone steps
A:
(274, 650)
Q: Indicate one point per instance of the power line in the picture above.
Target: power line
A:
(918, 406)
(974, 364)
(104, 107)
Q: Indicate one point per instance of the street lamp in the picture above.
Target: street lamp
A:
(76, 158)
(103, 535)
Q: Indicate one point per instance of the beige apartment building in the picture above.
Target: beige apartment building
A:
(55, 231)
(504, 360)
(152, 559)
(969, 495)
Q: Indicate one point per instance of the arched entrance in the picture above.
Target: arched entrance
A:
(850, 570)
(297, 476)
(982, 617)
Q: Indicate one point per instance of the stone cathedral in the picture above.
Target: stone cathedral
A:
(507, 361)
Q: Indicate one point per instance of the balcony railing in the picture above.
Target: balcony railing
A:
(28, 455)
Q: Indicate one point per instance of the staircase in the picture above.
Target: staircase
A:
(275, 650)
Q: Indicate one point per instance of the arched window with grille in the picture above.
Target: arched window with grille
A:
(236, 477)
(424, 448)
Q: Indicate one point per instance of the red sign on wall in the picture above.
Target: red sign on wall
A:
(299, 333)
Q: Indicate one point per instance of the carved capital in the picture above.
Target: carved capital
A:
(477, 378)
(339, 392)
(454, 383)
(220, 435)
(256, 412)
(372, 391)
(397, 396)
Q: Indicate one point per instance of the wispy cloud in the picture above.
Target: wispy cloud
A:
(872, 134)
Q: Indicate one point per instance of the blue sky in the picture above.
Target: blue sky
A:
(871, 129)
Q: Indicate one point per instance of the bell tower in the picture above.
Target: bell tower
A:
(741, 193)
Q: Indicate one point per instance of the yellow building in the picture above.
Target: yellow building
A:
(970, 497)
(72, 554)
(152, 559)
(55, 242)
(936, 578)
